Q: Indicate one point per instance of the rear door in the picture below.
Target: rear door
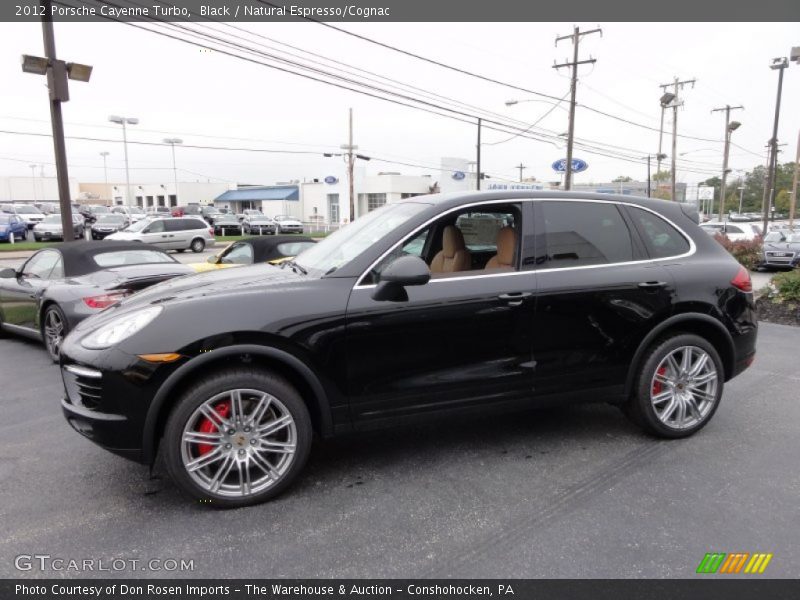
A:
(598, 296)
(177, 233)
(19, 296)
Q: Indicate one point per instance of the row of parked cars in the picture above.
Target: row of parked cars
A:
(780, 247)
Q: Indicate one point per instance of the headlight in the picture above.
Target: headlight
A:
(120, 328)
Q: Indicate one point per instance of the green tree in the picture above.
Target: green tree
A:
(622, 179)
(662, 176)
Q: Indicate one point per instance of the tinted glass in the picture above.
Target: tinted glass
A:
(195, 224)
(174, 225)
(111, 219)
(584, 233)
(734, 229)
(131, 257)
(661, 238)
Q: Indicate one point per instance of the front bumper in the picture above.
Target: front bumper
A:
(107, 395)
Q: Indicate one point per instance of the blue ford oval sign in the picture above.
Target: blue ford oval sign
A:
(331, 179)
(578, 165)
(459, 175)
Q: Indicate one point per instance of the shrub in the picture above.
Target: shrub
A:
(747, 252)
(787, 286)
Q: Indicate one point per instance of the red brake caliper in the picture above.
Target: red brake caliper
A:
(206, 426)
(657, 385)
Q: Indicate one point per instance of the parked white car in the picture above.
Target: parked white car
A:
(170, 233)
(734, 232)
(288, 224)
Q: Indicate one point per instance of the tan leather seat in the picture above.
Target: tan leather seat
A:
(506, 245)
(454, 255)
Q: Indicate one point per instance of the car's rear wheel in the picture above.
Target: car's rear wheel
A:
(24, 235)
(54, 330)
(679, 387)
(236, 438)
(198, 245)
(180, 250)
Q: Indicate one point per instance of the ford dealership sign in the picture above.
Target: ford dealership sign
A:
(578, 165)
(459, 175)
(331, 179)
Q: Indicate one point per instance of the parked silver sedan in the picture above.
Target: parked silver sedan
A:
(50, 228)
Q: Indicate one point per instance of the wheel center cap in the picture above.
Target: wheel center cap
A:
(240, 439)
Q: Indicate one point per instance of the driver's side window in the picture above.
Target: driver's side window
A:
(240, 254)
(43, 265)
(155, 227)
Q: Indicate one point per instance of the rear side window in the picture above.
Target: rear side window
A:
(195, 224)
(584, 233)
(174, 225)
(661, 238)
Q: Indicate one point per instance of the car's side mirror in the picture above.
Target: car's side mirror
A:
(213, 259)
(7, 273)
(404, 271)
(146, 230)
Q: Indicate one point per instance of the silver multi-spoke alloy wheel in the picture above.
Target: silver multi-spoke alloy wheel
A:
(239, 443)
(683, 389)
(53, 332)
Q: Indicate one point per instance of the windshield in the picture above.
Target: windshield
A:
(28, 210)
(52, 219)
(4, 218)
(111, 219)
(136, 210)
(794, 238)
(100, 209)
(774, 236)
(260, 219)
(350, 241)
(139, 225)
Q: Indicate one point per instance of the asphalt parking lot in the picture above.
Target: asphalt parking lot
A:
(576, 492)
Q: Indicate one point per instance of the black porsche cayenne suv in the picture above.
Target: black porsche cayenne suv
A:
(469, 302)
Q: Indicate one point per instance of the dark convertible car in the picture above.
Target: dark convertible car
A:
(430, 305)
(59, 286)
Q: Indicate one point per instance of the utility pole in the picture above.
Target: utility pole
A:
(676, 102)
(521, 168)
(575, 36)
(730, 127)
(793, 203)
(780, 65)
(478, 157)
(349, 147)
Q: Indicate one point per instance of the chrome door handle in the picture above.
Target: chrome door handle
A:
(652, 285)
(514, 298)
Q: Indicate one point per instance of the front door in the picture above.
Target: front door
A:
(462, 339)
(19, 296)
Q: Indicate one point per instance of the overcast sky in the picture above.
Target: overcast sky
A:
(175, 89)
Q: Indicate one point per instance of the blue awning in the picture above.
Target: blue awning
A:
(291, 193)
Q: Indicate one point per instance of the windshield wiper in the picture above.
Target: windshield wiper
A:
(295, 267)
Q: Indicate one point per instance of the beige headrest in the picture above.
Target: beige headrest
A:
(452, 241)
(506, 244)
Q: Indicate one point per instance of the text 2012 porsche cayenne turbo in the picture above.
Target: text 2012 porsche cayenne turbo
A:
(480, 301)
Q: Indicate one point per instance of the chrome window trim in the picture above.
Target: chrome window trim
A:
(690, 252)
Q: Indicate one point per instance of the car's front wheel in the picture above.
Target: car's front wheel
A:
(679, 387)
(236, 438)
(54, 330)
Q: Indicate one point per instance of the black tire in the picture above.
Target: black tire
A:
(197, 245)
(53, 312)
(218, 383)
(180, 250)
(640, 408)
(24, 235)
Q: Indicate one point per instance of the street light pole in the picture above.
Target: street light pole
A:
(730, 127)
(172, 142)
(741, 197)
(124, 121)
(105, 172)
(793, 203)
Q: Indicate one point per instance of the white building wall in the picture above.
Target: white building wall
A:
(33, 189)
(188, 192)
